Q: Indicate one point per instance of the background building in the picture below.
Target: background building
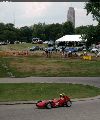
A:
(71, 15)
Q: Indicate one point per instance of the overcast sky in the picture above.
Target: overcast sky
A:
(29, 13)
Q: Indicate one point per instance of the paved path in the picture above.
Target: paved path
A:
(95, 81)
(81, 110)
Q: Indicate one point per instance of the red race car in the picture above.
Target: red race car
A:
(63, 101)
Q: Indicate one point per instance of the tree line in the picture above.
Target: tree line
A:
(41, 30)
(48, 32)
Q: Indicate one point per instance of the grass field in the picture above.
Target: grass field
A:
(18, 47)
(37, 91)
(42, 66)
(38, 64)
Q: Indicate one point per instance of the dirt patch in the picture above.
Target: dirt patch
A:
(28, 67)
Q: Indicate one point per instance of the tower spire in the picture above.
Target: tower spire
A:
(71, 15)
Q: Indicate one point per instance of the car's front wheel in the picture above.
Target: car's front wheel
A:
(48, 105)
(69, 103)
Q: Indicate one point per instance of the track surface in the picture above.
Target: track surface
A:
(95, 81)
(81, 110)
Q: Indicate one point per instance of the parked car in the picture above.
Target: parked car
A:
(45, 42)
(94, 50)
(84, 49)
(34, 48)
(40, 42)
(50, 49)
(59, 48)
(79, 48)
(71, 49)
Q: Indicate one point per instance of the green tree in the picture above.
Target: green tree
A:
(91, 34)
(10, 36)
(8, 32)
(10, 27)
(68, 28)
(26, 34)
(39, 31)
(53, 31)
(80, 30)
(2, 28)
(93, 7)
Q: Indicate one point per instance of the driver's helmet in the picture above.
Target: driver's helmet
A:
(61, 95)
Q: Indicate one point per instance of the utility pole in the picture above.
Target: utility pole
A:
(14, 18)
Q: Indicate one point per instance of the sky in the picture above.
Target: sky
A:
(29, 13)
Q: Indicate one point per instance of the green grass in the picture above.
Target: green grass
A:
(18, 47)
(52, 67)
(37, 91)
(3, 70)
(39, 65)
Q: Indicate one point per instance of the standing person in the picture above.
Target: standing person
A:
(49, 52)
(63, 49)
(46, 51)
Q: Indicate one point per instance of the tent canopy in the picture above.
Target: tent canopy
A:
(70, 38)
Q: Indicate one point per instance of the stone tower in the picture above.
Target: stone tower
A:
(71, 15)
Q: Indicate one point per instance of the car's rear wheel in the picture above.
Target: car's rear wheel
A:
(69, 103)
(38, 102)
(48, 105)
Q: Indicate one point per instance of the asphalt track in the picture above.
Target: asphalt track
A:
(94, 81)
(81, 110)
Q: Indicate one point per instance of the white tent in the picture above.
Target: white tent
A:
(70, 38)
